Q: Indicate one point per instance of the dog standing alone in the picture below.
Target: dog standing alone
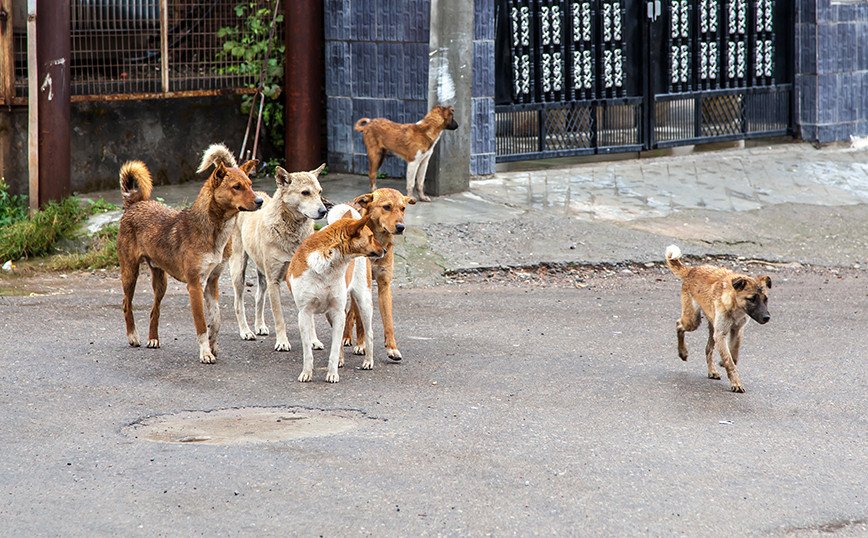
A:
(727, 299)
(413, 142)
(189, 244)
(270, 237)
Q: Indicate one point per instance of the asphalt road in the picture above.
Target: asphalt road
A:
(522, 408)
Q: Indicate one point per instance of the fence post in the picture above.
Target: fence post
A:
(304, 75)
(164, 45)
(7, 54)
(48, 51)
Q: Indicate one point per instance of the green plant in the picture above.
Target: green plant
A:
(101, 254)
(13, 207)
(245, 47)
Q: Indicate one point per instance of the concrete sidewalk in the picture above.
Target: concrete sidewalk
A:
(787, 202)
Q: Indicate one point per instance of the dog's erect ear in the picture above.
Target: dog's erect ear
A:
(364, 200)
(219, 172)
(249, 166)
(738, 283)
(319, 170)
(347, 215)
(281, 177)
(766, 280)
(409, 200)
(356, 227)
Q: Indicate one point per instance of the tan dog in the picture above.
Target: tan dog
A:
(413, 142)
(189, 244)
(386, 209)
(318, 278)
(270, 237)
(727, 299)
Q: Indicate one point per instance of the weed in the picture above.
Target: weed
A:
(102, 253)
(13, 207)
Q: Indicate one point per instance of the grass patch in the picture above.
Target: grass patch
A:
(13, 207)
(102, 253)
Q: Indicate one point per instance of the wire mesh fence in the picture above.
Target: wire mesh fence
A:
(158, 48)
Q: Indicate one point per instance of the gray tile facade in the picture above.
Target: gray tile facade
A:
(376, 54)
(832, 70)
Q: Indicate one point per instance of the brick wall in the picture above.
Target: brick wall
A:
(376, 54)
(832, 69)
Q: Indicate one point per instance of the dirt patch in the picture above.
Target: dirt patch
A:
(245, 425)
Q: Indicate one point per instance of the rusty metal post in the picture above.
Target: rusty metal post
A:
(53, 105)
(51, 87)
(304, 76)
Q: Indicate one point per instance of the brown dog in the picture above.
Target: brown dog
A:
(413, 142)
(385, 210)
(726, 299)
(190, 244)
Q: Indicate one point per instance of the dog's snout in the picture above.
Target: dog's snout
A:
(322, 212)
(399, 228)
(258, 201)
(765, 319)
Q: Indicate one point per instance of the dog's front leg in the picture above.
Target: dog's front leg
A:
(384, 297)
(420, 177)
(237, 269)
(363, 306)
(282, 342)
(197, 300)
(735, 336)
(305, 321)
(709, 354)
(212, 306)
(412, 169)
(259, 305)
(720, 342)
(337, 317)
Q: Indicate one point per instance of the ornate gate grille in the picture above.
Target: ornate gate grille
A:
(596, 76)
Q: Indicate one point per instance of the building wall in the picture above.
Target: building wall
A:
(376, 55)
(832, 69)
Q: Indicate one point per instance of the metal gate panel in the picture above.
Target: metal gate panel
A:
(576, 79)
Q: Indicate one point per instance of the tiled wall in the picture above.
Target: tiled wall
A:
(832, 69)
(376, 54)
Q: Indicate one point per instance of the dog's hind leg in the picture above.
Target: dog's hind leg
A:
(158, 283)
(420, 177)
(259, 306)
(348, 326)
(305, 322)
(212, 308)
(336, 317)
(129, 276)
(689, 321)
(375, 159)
(237, 270)
(276, 274)
(709, 353)
(363, 303)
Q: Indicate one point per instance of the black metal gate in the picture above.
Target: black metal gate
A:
(578, 77)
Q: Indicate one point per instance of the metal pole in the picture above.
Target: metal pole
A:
(164, 44)
(52, 67)
(304, 76)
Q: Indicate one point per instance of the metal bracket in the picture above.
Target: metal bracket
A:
(654, 9)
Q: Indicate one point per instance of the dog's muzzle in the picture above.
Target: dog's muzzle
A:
(258, 202)
(399, 229)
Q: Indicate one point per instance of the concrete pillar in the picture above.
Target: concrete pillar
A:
(450, 82)
(304, 78)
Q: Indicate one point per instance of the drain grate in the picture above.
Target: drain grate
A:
(245, 425)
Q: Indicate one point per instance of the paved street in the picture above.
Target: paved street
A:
(532, 399)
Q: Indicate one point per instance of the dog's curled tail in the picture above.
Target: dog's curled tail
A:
(217, 153)
(361, 124)
(673, 261)
(136, 182)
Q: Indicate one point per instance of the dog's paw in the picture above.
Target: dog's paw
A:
(282, 346)
(341, 361)
(305, 376)
(247, 335)
(133, 339)
(316, 344)
(359, 350)
(206, 357)
(393, 354)
(713, 375)
(368, 364)
(682, 356)
(423, 198)
(154, 343)
(262, 331)
(737, 388)
(332, 377)
(347, 342)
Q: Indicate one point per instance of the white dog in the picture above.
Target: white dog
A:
(270, 237)
(319, 273)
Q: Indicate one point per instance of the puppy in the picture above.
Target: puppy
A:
(317, 277)
(270, 237)
(413, 142)
(727, 299)
(189, 244)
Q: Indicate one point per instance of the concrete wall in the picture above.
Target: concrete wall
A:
(377, 66)
(169, 135)
(832, 69)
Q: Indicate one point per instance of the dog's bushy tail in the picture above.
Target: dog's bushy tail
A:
(673, 261)
(136, 182)
(361, 124)
(217, 153)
